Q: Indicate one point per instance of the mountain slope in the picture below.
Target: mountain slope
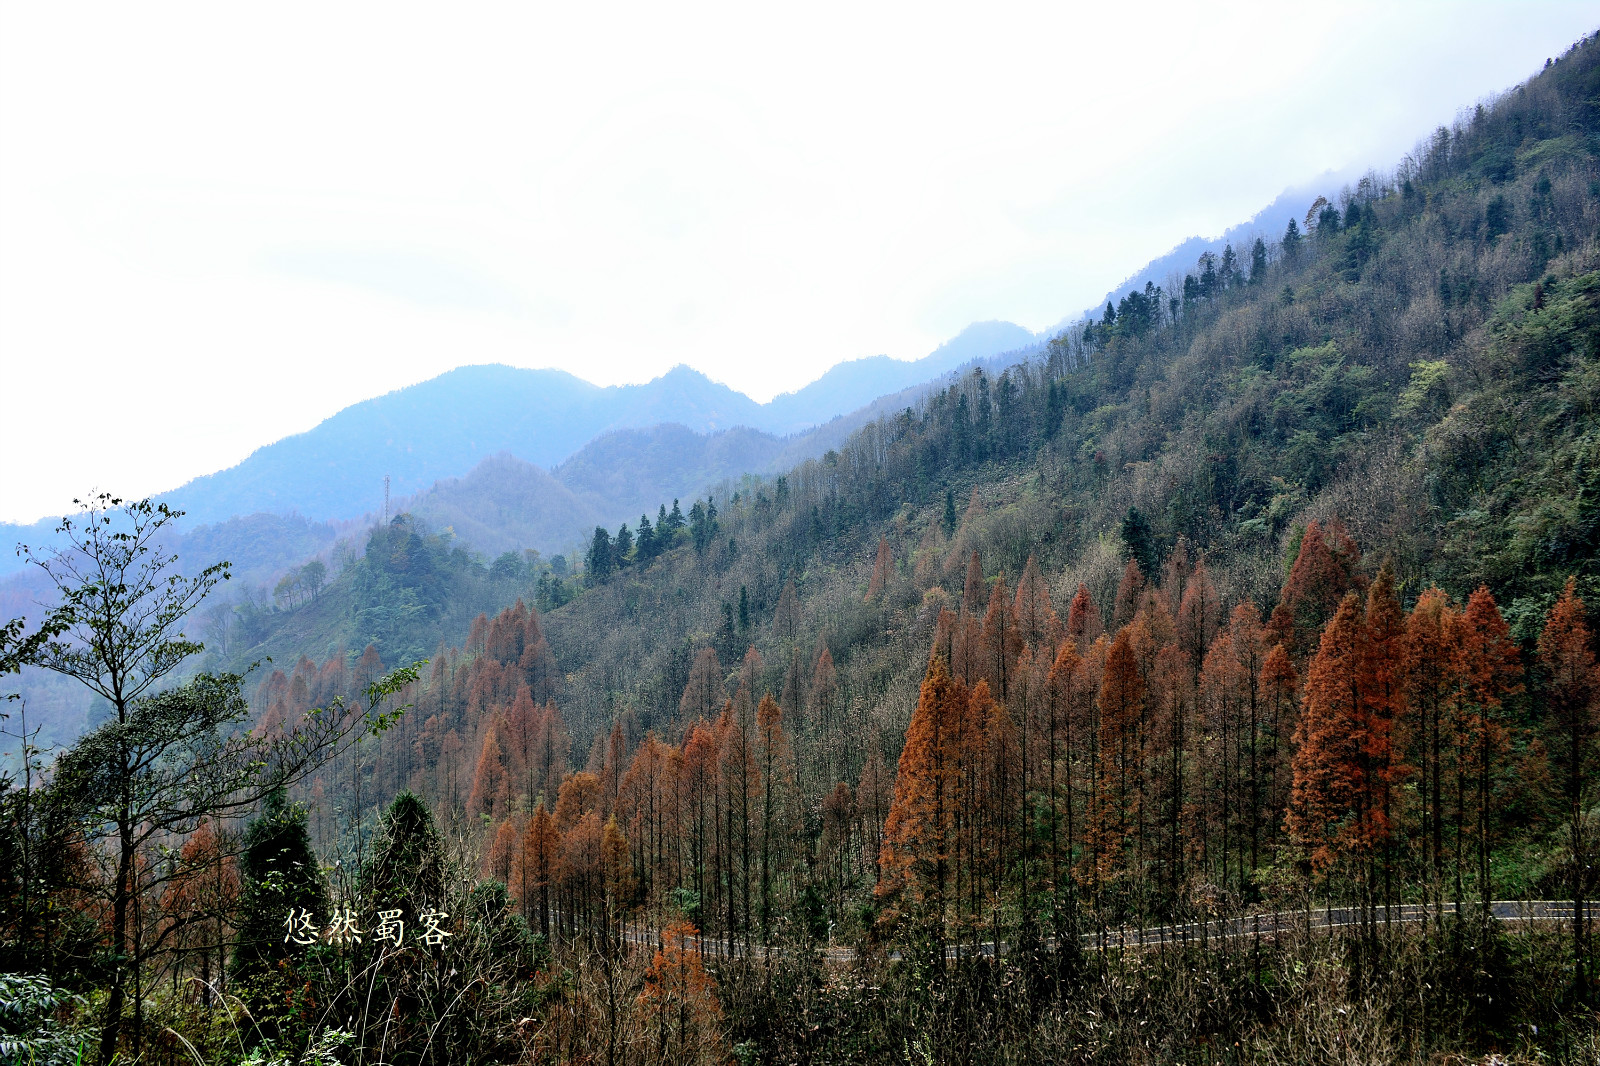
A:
(857, 383)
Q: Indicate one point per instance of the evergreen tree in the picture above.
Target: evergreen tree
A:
(1140, 541)
(646, 540)
(600, 558)
(407, 866)
(284, 900)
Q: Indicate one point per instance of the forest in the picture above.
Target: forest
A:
(1219, 686)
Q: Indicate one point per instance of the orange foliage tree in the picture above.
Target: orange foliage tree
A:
(920, 830)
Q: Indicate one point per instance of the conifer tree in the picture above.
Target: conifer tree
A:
(407, 866)
(704, 692)
(1037, 623)
(1332, 810)
(1572, 700)
(1116, 801)
(681, 998)
(1084, 624)
(786, 617)
(1493, 671)
(779, 815)
(490, 782)
(974, 594)
(1324, 570)
(502, 851)
(1000, 640)
(1130, 592)
(919, 833)
(1434, 665)
(282, 891)
(579, 795)
(882, 568)
(1069, 727)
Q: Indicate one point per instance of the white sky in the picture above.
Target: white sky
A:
(221, 223)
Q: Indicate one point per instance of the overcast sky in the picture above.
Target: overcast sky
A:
(221, 223)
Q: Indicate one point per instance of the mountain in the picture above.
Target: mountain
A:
(1327, 533)
(443, 427)
(856, 383)
(1268, 224)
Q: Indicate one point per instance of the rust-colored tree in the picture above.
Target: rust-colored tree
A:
(499, 859)
(1325, 568)
(779, 813)
(974, 592)
(1492, 669)
(1084, 624)
(538, 863)
(680, 998)
(1338, 800)
(1571, 693)
(920, 830)
(704, 692)
(491, 783)
(1114, 802)
(882, 570)
(1434, 665)
(1000, 641)
(1130, 591)
(1037, 623)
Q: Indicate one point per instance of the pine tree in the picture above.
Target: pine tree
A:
(1139, 540)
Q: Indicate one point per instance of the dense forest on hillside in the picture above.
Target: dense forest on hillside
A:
(1267, 591)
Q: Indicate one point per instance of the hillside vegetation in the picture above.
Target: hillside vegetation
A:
(1269, 593)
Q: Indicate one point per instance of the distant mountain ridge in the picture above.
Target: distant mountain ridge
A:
(444, 427)
(1268, 224)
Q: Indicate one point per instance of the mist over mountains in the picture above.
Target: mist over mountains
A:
(513, 457)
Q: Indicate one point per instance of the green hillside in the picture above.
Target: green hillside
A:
(1265, 601)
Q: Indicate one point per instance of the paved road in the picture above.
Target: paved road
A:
(1265, 925)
